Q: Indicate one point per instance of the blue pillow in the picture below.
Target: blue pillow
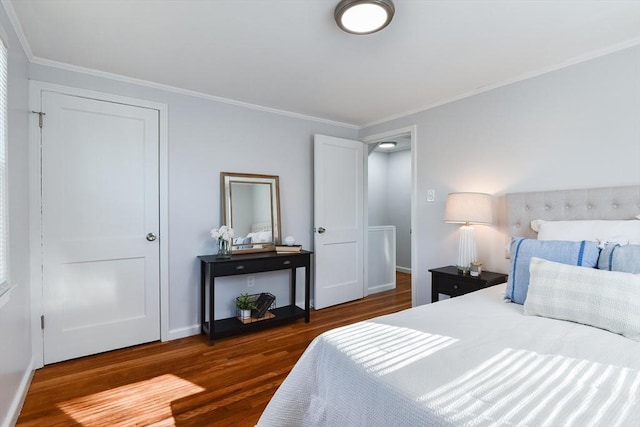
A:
(584, 253)
(620, 258)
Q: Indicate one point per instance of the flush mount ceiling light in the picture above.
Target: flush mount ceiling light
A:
(363, 16)
(387, 144)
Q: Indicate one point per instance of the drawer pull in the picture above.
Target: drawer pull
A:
(240, 267)
(455, 286)
(287, 262)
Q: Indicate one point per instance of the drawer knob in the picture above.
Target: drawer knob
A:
(287, 262)
(455, 286)
(240, 267)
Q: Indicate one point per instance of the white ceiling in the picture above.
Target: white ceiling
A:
(289, 55)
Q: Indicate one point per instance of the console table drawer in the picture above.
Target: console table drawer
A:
(232, 268)
(282, 262)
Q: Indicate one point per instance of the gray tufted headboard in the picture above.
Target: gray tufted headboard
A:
(595, 203)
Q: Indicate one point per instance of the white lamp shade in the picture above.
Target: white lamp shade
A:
(469, 208)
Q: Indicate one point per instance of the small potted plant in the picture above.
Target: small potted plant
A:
(245, 303)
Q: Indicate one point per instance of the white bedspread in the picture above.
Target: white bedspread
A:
(469, 361)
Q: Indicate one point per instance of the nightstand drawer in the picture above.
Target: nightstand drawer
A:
(446, 280)
(456, 287)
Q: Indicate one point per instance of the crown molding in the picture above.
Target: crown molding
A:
(573, 61)
(187, 92)
(140, 82)
(15, 22)
(17, 28)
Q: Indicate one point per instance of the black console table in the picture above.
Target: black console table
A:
(212, 267)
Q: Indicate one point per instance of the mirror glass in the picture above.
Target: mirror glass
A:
(251, 206)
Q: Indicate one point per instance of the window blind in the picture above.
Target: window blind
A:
(4, 211)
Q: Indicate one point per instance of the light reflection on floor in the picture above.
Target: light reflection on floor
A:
(153, 396)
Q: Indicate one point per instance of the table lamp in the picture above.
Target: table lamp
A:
(467, 209)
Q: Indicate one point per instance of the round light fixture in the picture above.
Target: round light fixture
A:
(363, 16)
(387, 145)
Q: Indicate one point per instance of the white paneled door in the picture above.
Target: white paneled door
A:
(338, 220)
(100, 224)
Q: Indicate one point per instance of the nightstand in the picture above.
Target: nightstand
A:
(446, 280)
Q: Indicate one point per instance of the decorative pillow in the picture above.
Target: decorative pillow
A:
(243, 242)
(620, 258)
(605, 299)
(624, 231)
(575, 253)
(260, 236)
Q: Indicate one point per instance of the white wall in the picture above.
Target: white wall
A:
(576, 127)
(377, 190)
(15, 334)
(205, 138)
(399, 205)
(389, 198)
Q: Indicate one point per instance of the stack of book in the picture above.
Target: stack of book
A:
(288, 249)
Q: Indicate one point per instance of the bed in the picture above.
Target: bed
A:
(477, 360)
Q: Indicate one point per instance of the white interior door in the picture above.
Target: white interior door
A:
(338, 220)
(100, 201)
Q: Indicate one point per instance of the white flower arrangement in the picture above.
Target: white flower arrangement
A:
(224, 233)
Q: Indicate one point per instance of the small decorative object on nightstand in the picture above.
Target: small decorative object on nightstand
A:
(475, 269)
(446, 280)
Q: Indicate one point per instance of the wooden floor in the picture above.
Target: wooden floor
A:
(185, 382)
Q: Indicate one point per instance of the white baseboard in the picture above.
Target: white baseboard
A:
(403, 269)
(18, 399)
(175, 334)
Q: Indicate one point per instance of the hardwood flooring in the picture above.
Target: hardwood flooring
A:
(185, 382)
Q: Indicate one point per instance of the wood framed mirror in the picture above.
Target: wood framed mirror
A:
(251, 206)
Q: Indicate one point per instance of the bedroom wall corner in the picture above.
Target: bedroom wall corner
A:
(16, 364)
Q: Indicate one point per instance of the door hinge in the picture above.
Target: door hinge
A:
(40, 114)
(42, 322)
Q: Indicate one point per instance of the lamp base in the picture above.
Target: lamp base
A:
(463, 270)
(467, 252)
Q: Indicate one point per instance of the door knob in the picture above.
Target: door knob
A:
(151, 237)
(321, 230)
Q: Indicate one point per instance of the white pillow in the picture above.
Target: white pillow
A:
(605, 299)
(260, 236)
(602, 231)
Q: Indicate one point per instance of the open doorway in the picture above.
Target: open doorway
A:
(389, 189)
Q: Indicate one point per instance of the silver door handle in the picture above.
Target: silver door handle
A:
(151, 237)
(321, 230)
